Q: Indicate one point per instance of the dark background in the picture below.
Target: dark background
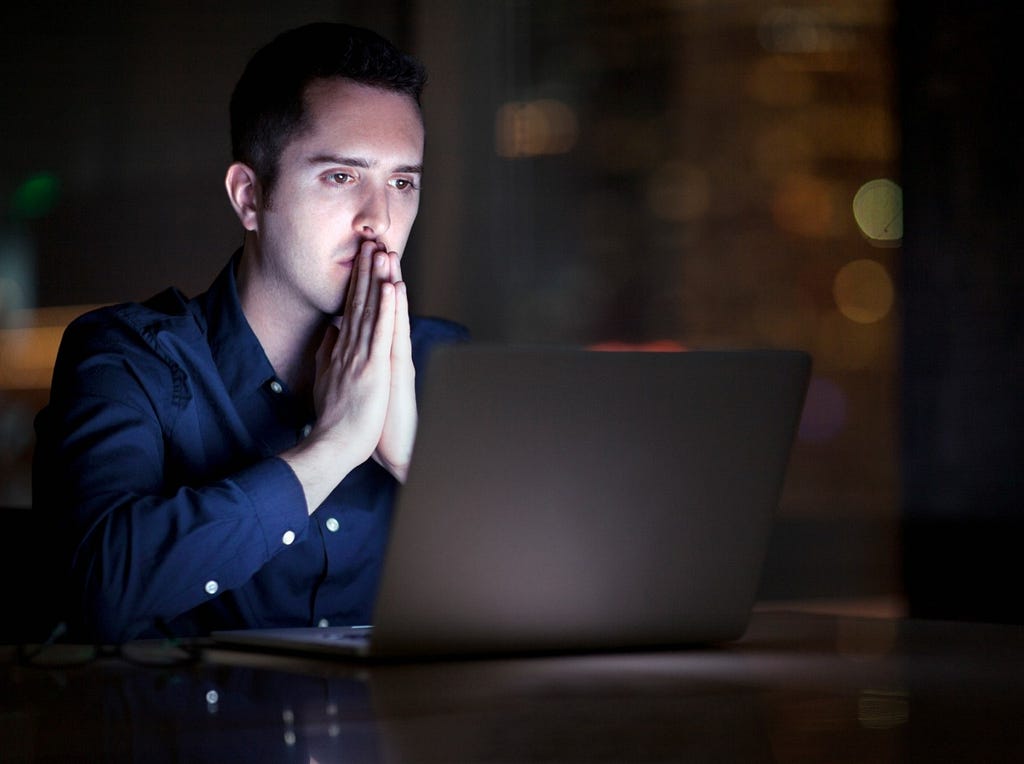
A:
(963, 340)
(701, 198)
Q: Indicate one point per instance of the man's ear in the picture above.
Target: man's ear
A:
(243, 191)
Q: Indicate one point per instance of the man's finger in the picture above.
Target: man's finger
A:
(396, 267)
(378, 275)
(384, 326)
(327, 344)
(358, 295)
(401, 348)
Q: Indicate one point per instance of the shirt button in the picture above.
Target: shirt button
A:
(276, 387)
(288, 537)
(323, 623)
(211, 587)
(333, 524)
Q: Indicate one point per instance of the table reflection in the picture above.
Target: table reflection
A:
(796, 688)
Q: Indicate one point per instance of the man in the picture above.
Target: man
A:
(231, 460)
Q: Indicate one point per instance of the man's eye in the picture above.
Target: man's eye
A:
(340, 177)
(403, 184)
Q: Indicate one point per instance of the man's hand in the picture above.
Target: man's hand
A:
(395, 447)
(353, 380)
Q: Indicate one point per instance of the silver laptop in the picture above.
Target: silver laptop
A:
(573, 500)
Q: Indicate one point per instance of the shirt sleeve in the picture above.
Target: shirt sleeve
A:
(144, 551)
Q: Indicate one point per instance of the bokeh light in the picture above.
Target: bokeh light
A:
(878, 210)
(36, 196)
(535, 128)
(863, 291)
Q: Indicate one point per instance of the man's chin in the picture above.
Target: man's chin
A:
(337, 307)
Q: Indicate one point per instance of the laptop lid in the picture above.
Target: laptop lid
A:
(570, 499)
(565, 499)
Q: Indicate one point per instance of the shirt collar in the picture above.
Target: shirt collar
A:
(240, 358)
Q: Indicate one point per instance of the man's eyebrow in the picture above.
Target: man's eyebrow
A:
(362, 163)
(411, 169)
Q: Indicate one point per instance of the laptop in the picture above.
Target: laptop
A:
(564, 499)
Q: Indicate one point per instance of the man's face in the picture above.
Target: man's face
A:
(353, 176)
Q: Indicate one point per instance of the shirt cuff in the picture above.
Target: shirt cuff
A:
(277, 497)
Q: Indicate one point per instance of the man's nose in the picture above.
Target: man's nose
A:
(373, 218)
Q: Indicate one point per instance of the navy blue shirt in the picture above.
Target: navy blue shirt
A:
(157, 455)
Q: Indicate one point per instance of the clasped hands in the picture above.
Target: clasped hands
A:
(364, 391)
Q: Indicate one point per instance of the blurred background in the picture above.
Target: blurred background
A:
(653, 173)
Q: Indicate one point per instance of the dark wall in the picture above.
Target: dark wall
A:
(963, 286)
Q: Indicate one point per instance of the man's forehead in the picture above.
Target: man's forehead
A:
(360, 125)
(328, 92)
(360, 106)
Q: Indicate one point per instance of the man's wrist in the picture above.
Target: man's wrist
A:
(398, 471)
(320, 465)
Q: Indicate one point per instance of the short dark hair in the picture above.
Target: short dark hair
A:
(268, 107)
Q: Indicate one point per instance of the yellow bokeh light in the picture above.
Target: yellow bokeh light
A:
(878, 210)
(863, 291)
